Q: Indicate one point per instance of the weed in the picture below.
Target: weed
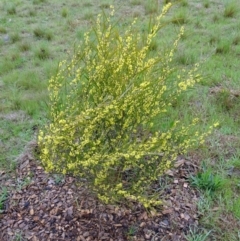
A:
(204, 203)
(236, 208)
(3, 198)
(207, 181)
(197, 235)
(235, 161)
(132, 230)
(18, 236)
(23, 183)
(114, 124)
(58, 179)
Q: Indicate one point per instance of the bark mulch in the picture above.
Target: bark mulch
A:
(47, 208)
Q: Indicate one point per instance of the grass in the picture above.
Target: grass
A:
(135, 2)
(197, 235)
(207, 181)
(231, 9)
(11, 9)
(15, 37)
(151, 7)
(180, 17)
(206, 3)
(42, 52)
(3, 30)
(24, 46)
(40, 37)
(42, 33)
(64, 12)
(3, 197)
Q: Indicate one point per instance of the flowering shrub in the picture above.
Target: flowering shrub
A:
(102, 106)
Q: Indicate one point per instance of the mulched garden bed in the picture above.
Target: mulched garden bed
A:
(46, 208)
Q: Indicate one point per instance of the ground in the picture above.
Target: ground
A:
(45, 206)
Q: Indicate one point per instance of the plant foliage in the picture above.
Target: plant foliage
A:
(103, 103)
(206, 180)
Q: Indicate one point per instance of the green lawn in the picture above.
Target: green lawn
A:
(36, 35)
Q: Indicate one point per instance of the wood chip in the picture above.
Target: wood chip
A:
(179, 163)
(31, 211)
(70, 212)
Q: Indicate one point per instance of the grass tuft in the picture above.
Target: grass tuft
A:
(32, 12)
(42, 33)
(11, 9)
(64, 12)
(223, 47)
(135, 2)
(105, 5)
(3, 198)
(230, 10)
(184, 3)
(166, 1)
(42, 52)
(236, 40)
(215, 18)
(3, 30)
(206, 180)
(24, 46)
(38, 1)
(206, 3)
(197, 235)
(88, 15)
(15, 37)
(180, 17)
(151, 6)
